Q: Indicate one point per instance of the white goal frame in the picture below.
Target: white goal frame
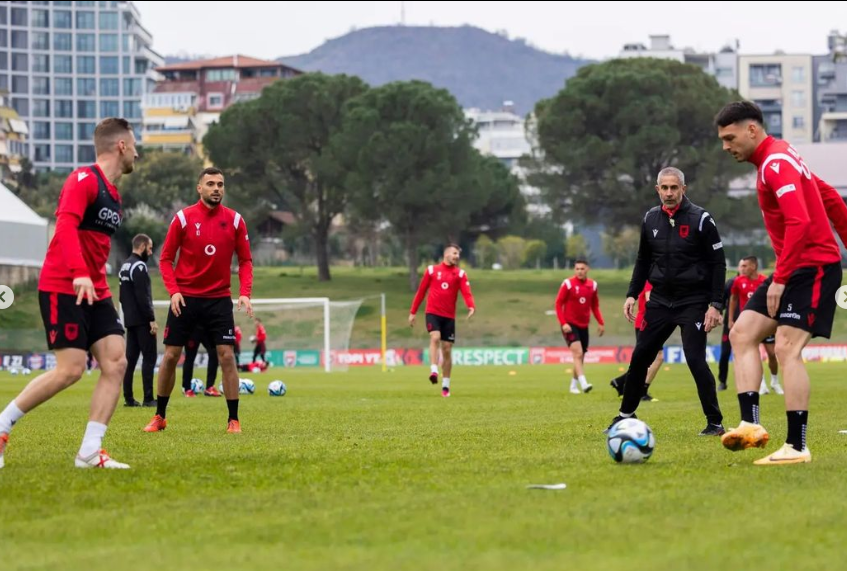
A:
(324, 301)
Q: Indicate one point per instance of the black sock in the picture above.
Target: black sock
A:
(232, 405)
(646, 389)
(749, 403)
(162, 405)
(797, 421)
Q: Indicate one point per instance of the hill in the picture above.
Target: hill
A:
(480, 68)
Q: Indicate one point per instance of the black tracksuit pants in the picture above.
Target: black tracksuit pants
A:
(139, 341)
(659, 323)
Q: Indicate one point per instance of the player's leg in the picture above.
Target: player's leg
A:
(237, 352)
(191, 349)
(583, 346)
(433, 327)
(656, 327)
(691, 321)
(212, 367)
(651, 374)
(178, 331)
(753, 325)
(773, 364)
(147, 342)
(618, 382)
(219, 324)
(133, 351)
(572, 340)
(726, 353)
(448, 337)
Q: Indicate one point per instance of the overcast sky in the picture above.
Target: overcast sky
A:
(595, 30)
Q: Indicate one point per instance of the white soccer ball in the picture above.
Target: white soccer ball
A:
(276, 389)
(630, 441)
(252, 338)
(246, 387)
(13, 370)
(25, 371)
(197, 385)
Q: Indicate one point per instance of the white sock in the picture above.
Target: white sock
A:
(583, 381)
(445, 382)
(574, 384)
(9, 417)
(93, 439)
(626, 414)
(433, 369)
(774, 380)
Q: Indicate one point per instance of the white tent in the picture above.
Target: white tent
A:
(23, 233)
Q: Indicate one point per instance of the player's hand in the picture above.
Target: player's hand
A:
(471, 311)
(627, 309)
(154, 328)
(566, 328)
(601, 329)
(177, 301)
(244, 301)
(411, 320)
(84, 289)
(775, 291)
(713, 319)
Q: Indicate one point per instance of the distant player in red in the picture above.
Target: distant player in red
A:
(76, 304)
(742, 290)
(237, 346)
(618, 382)
(261, 337)
(444, 283)
(798, 301)
(576, 300)
(206, 235)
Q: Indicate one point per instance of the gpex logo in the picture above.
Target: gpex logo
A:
(110, 216)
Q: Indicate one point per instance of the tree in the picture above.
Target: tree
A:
(411, 156)
(142, 219)
(577, 248)
(535, 252)
(512, 251)
(285, 150)
(623, 246)
(485, 251)
(504, 208)
(603, 139)
(164, 181)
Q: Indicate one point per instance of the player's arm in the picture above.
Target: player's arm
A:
(141, 288)
(561, 306)
(715, 257)
(787, 188)
(245, 266)
(733, 305)
(595, 309)
(74, 199)
(419, 297)
(641, 270)
(173, 241)
(465, 288)
(835, 208)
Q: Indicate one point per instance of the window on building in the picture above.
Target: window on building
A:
(110, 88)
(86, 131)
(798, 74)
(40, 19)
(62, 19)
(798, 98)
(86, 65)
(799, 122)
(86, 109)
(20, 62)
(85, 154)
(109, 109)
(64, 153)
(108, 42)
(41, 129)
(63, 86)
(216, 100)
(85, 20)
(62, 42)
(108, 20)
(63, 64)
(20, 39)
(40, 107)
(19, 17)
(41, 86)
(64, 132)
(20, 84)
(64, 108)
(41, 63)
(221, 75)
(41, 40)
(42, 152)
(86, 42)
(762, 75)
(86, 86)
(109, 65)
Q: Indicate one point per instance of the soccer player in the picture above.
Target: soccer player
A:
(797, 302)
(139, 319)
(206, 235)
(237, 347)
(74, 297)
(576, 300)
(726, 347)
(444, 283)
(742, 290)
(261, 338)
(618, 383)
(681, 254)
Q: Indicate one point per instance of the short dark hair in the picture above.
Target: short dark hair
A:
(581, 261)
(453, 245)
(753, 259)
(739, 111)
(140, 240)
(209, 170)
(108, 131)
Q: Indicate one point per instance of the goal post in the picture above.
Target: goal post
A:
(302, 331)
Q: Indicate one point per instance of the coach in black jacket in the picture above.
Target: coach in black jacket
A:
(139, 319)
(682, 256)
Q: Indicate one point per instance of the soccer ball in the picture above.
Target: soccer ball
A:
(276, 389)
(246, 387)
(25, 371)
(13, 370)
(630, 441)
(197, 385)
(252, 338)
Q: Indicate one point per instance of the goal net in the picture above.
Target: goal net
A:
(301, 332)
